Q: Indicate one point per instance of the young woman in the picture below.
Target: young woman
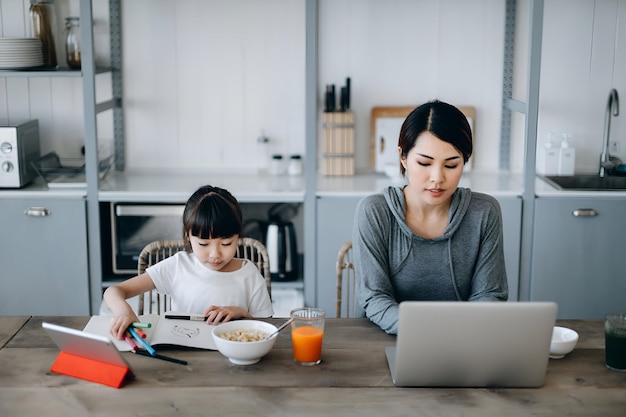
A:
(206, 278)
(429, 239)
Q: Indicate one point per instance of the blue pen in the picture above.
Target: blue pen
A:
(145, 344)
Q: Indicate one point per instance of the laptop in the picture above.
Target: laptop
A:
(85, 345)
(472, 344)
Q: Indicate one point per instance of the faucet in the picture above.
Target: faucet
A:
(612, 106)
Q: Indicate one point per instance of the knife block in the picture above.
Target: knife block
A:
(338, 144)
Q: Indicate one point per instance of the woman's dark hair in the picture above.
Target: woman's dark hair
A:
(211, 213)
(442, 120)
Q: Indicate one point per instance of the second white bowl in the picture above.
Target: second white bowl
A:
(563, 342)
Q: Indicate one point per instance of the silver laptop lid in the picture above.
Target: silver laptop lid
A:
(472, 344)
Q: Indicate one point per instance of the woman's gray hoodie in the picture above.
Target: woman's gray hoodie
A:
(393, 264)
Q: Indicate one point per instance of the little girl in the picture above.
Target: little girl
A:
(206, 278)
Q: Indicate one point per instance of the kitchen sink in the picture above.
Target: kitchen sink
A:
(587, 182)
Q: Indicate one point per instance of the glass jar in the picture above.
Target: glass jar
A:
(44, 23)
(72, 41)
(277, 165)
(295, 165)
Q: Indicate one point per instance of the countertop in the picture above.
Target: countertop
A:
(176, 188)
(253, 188)
(263, 188)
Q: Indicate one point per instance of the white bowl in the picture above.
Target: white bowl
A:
(244, 353)
(563, 342)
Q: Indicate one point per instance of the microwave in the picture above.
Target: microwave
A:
(133, 226)
(19, 147)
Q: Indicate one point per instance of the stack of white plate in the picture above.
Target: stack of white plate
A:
(18, 53)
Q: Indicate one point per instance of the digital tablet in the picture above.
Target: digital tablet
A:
(86, 345)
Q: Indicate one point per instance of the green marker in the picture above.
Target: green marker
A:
(139, 325)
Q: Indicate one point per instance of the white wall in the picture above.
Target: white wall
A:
(583, 57)
(203, 78)
(406, 52)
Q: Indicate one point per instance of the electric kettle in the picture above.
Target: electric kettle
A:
(281, 242)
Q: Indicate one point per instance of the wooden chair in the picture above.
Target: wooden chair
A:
(346, 279)
(248, 248)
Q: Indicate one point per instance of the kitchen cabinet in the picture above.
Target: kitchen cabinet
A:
(578, 255)
(43, 256)
(93, 105)
(335, 218)
(511, 230)
(334, 224)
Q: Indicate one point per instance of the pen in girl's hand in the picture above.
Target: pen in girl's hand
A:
(186, 317)
(140, 333)
(141, 325)
(129, 340)
(145, 344)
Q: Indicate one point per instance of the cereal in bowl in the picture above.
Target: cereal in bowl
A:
(244, 335)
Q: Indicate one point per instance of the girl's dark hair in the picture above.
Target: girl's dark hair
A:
(211, 213)
(442, 120)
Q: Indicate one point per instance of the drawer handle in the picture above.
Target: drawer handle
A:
(587, 212)
(38, 212)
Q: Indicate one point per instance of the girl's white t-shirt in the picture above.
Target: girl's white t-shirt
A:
(194, 287)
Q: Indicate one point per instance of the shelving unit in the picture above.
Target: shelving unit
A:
(94, 194)
(92, 108)
(530, 109)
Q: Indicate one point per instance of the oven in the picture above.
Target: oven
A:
(133, 226)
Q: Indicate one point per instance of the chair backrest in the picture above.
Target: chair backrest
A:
(346, 280)
(248, 248)
(256, 252)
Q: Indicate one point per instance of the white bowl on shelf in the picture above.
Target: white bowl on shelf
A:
(563, 342)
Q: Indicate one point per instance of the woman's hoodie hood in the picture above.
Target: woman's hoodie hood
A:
(394, 196)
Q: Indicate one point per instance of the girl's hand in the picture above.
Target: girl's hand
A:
(121, 323)
(222, 314)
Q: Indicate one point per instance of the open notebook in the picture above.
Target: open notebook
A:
(194, 334)
(472, 344)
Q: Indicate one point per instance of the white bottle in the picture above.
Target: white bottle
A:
(548, 157)
(295, 165)
(567, 156)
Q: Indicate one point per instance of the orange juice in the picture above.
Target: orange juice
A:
(307, 344)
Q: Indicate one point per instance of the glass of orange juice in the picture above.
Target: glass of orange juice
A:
(307, 332)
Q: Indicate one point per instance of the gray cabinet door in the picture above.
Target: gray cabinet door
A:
(43, 257)
(580, 261)
(335, 218)
(511, 208)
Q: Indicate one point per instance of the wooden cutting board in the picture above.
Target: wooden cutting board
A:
(385, 126)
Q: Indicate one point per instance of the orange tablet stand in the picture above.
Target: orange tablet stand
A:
(91, 370)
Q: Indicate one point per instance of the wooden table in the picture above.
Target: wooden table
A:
(353, 379)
